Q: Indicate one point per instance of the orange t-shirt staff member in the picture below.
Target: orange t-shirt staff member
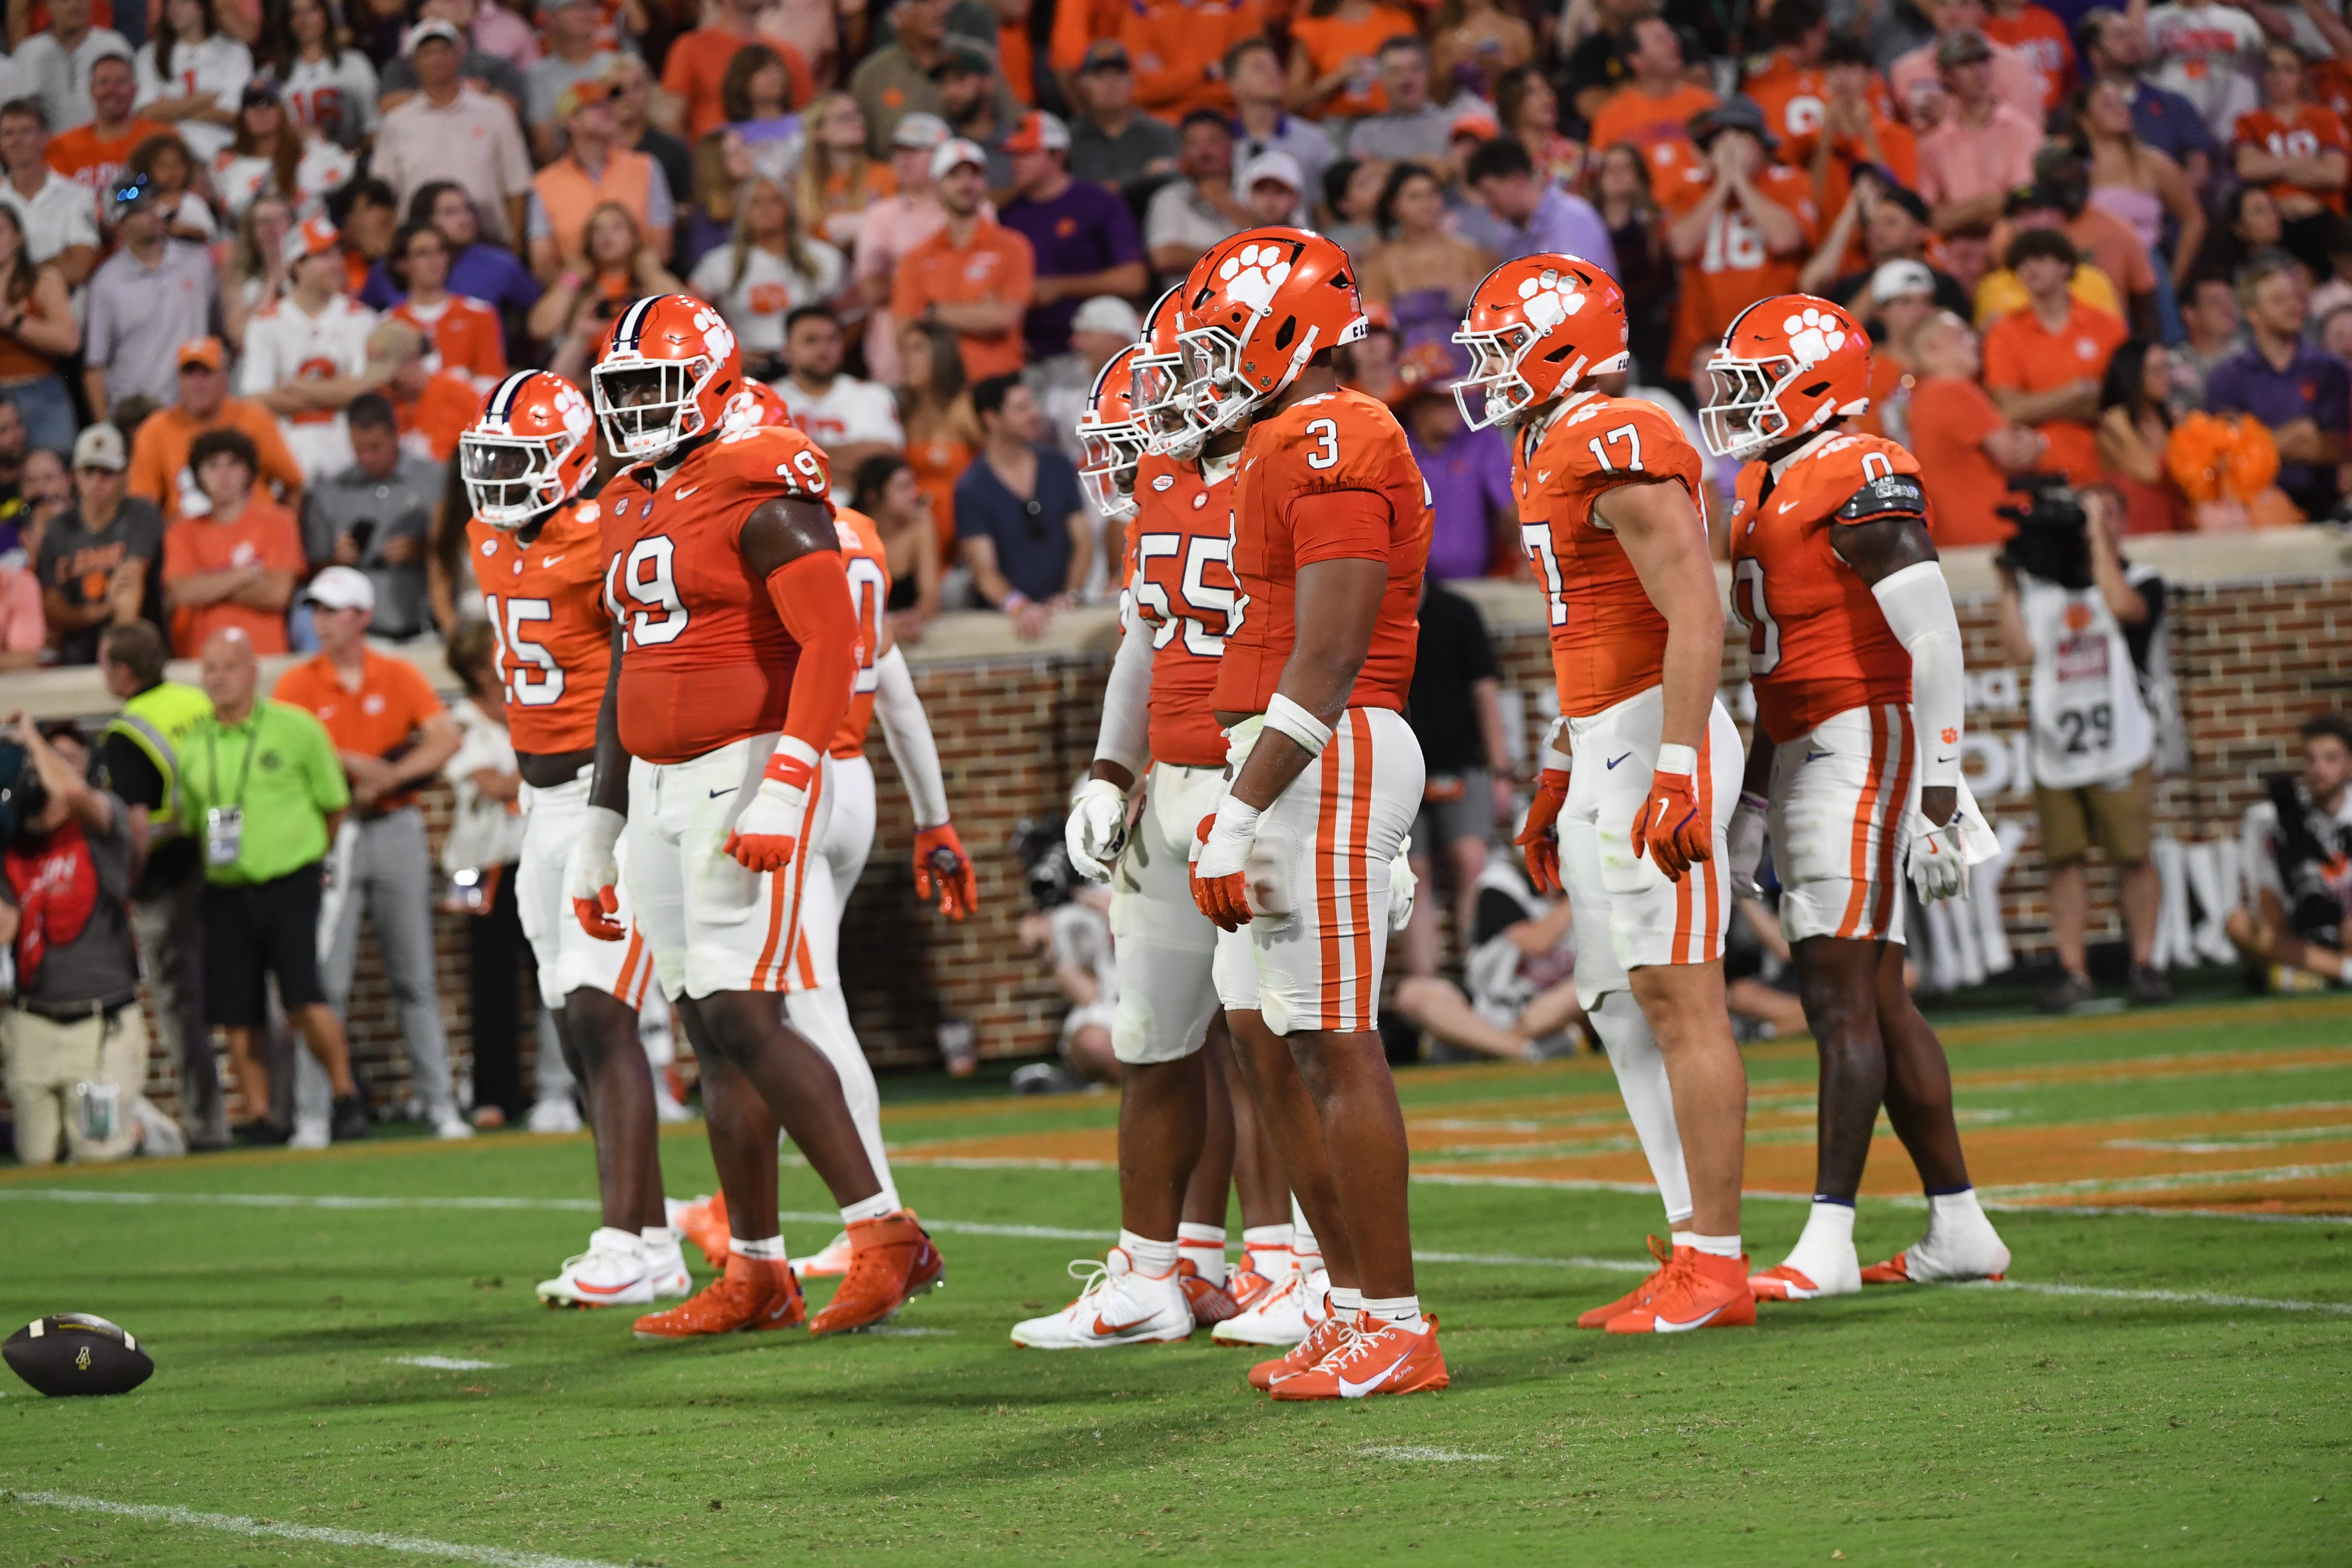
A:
(1741, 228)
(390, 730)
(975, 275)
(2044, 364)
(1654, 111)
(235, 567)
(1967, 447)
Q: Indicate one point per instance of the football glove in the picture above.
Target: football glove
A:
(767, 834)
(1669, 827)
(1220, 874)
(1536, 838)
(1403, 886)
(591, 873)
(1096, 830)
(1937, 860)
(942, 867)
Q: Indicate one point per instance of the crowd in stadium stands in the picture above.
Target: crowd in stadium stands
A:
(259, 261)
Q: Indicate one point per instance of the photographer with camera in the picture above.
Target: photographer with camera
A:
(374, 516)
(2298, 853)
(76, 1044)
(2068, 609)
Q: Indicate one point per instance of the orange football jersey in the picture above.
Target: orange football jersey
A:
(554, 636)
(1818, 643)
(704, 661)
(463, 334)
(2314, 130)
(1733, 269)
(1607, 640)
(1180, 577)
(869, 590)
(1292, 507)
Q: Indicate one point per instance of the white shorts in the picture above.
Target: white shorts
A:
(1627, 915)
(832, 875)
(714, 926)
(1841, 820)
(568, 957)
(1323, 851)
(1165, 997)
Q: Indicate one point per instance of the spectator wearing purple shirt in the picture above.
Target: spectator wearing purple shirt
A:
(2115, 48)
(1468, 471)
(1526, 216)
(2301, 393)
(1083, 234)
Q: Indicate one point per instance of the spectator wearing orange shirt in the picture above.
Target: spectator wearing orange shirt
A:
(1789, 85)
(1741, 225)
(975, 275)
(93, 155)
(2035, 32)
(1654, 111)
(161, 470)
(431, 407)
(1850, 130)
(2044, 364)
(1178, 48)
(460, 334)
(697, 67)
(233, 568)
(1332, 52)
(1967, 447)
(2300, 149)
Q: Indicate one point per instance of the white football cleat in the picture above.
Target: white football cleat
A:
(1280, 1319)
(450, 1126)
(830, 1262)
(613, 1272)
(310, 1134)
(554, 1114)
(666, 1265)
(1116, 1306)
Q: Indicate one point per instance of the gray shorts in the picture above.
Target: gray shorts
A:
(1453, 806)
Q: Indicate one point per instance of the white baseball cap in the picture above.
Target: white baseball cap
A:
(1274, 165)
(343, 588)
(1107, 313)
(953, 153)
(1895, 278)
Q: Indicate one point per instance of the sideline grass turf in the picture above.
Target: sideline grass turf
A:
(1973, 1424)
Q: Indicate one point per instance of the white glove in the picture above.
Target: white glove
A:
(592, 872)
(1096, 830)
(1226, 850)
(1937, 860)
(1744, 845)
(768, 829)
(1403, 886)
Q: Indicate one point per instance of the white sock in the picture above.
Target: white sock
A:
(1955, 1213)
(823, 1015)
(881, 1205)
(1404, 1311)
(1302, 1235)
(1717, 1246)
(1649, 1100)
(1205, 1245)
(1152, 1259)
(656, 1240)
(1682, 1235)
(1268, 1247)
(1825, 1251)
(1345, 1301)
(770, 1248)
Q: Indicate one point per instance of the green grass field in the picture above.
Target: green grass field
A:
(2168, 1378)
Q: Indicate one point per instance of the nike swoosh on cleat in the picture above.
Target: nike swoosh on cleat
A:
(1105, 1331)
(598, 1289)
(1660, 1325)
(1614, 760)
(1358, 1390)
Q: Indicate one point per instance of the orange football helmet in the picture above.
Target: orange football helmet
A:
(1111, 439)
(1535, 327)
(528, 450)
(667, 368)
(755, 403)
(1258, 307)
(1789, 364)
(1157, 376)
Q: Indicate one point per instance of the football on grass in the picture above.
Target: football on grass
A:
(74, 1353)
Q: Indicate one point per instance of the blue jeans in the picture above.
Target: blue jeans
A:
(47, 411)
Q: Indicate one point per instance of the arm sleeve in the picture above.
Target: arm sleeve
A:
(1125, 735)
(811, 597)
(1339, 525)
(906, 730)
(1917, 604)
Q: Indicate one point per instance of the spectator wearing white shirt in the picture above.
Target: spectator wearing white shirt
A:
(272, 152)
(1188, 215)
(59, 216)
(769, 269)
(57, 62)
(190, 75)
(306, 352)
(852, 419)
(329, 89)
(2212, 55)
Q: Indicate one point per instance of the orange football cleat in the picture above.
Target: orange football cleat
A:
(891, 1262)
(1211, 1304)
(1896, 1270)
(704, 1223)
(1696, 1291)
(1246, 1285)
(1781, 1282)
(754, 1293)
(1639, 1296)
(1377, 1358)
(1329, 1333)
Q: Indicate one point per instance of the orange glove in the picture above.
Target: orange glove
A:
(589, 872)
(1670, 827)
(767, 834)
(1537, 840)
(1220, 881)
(941, 864)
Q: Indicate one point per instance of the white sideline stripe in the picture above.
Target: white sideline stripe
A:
(443, 1362)
(1414, 1453)
(238, 1524)
(2186, 1297)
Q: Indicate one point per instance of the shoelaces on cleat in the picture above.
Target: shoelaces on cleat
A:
(1094, 1275)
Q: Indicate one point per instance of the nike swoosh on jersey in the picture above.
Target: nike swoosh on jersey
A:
(547, 560)
(1788, 506)
(1614, 760)
(1542, 474)
(686, 491)
(1358, 1390)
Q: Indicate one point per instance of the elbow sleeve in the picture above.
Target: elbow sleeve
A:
(811, 597)
(906, 730)
(1125, 733)
(1917, 604)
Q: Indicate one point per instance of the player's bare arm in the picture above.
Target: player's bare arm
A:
(1338, 601)
(1877, 551)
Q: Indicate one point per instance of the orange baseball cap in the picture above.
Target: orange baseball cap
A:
(205, 352)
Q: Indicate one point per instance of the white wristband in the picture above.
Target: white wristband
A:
(1555, 760)
(1311, 733)
(1681, 761)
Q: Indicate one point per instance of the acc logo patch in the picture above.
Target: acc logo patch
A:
(1164, 483)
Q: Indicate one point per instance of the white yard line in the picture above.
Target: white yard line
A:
(1414, 1453)
(443, 1362)
(2186, 1297)
(239, 1524)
